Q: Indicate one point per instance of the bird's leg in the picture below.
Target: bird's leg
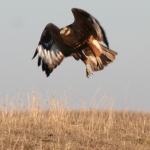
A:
(95, 47)
(85, 60)
(88, 72)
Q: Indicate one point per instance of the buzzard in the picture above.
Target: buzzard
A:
(81, 39)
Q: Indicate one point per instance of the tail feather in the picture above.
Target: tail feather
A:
(107, 56)
(93, 63)
(108, 50)
(92, 60)
(105, 60)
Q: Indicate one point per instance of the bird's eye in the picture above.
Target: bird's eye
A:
(62, 31)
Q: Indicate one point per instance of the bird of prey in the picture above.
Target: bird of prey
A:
(81, 39)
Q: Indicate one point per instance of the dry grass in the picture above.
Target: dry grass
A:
(68, 129)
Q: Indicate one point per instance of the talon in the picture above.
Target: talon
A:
(88, 72)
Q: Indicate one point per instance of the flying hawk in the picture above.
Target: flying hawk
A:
(81, 39)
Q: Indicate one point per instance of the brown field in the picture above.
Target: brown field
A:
(62, 128)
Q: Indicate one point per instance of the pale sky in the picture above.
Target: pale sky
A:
(127, 26)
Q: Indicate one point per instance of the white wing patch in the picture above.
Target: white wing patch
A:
(50, 58)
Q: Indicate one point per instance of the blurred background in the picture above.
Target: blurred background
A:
(127, 27)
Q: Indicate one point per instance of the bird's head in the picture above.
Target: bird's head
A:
(65, 31)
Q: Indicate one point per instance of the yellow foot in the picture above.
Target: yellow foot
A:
(88, 72)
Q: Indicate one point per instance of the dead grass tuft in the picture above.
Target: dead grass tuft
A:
(68, 129)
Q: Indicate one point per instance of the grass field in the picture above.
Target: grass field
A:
(62, 128)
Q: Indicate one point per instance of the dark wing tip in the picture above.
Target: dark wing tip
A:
(47, 75)
(46, 69)
(101, 33)
(47, 72)
(35, 54)
(74, 9)
(39, 61)
(81, 12)
(105, 38)
(43, 65)
(78, 9)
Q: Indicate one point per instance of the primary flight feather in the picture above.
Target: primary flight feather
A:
(81, 39)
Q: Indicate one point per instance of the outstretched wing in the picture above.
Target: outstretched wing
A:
(94, 25)
(51, 49)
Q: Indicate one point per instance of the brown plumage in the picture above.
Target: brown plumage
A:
(81, 39)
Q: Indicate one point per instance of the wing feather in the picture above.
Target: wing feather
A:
(50, 50)
(93, 24)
